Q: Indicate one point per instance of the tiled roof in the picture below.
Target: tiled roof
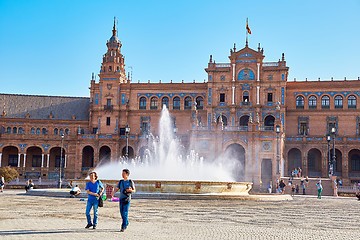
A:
(40, 107)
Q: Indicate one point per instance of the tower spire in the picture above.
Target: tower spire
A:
(114, 28)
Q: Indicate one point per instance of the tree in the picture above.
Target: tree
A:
(8, 173)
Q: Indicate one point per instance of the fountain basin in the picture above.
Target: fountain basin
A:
(180, 187)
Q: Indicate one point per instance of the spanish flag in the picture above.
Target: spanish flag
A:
(247, 27)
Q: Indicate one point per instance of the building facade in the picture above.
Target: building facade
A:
(247, 110)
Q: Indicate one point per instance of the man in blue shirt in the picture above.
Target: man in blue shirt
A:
(94, 189)
(126, 187)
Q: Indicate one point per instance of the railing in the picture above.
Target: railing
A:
(108, 107)
(223, 65)
(236, 128)
(270, 64)
(267, 128)
(347, 189)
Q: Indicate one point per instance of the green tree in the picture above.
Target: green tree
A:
(8, 173)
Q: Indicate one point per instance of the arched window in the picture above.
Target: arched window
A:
(14, 130)
(66, 131)
(325, 102)
(299, 102)
(44, 132)
(61, 132)
(82, 131)
(153, 103)
(199, 103)
(165, 101)
(338, 101)
(351, 101)
(56, 131)
(8, 130)
(176, 103)
(246, 98)
(38, 131)
(269, 123)
(142, 103)
(222, 119)
(32, 130)
(21, 130)
(187, 103)
(312, 102)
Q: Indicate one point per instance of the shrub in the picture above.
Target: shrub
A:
(8, 173)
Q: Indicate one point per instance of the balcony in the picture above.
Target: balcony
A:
(108, 107)
(267, 128)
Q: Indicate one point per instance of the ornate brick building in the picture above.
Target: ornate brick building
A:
(246, 109)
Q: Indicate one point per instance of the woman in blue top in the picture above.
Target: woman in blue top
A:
(94, 188)
(126, 187)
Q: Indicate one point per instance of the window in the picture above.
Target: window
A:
(32, 130)
(303, 128)
(94, 130)
(325, 102)
(38, 131)
(269, 97)
(82, 131)
(142, 103)
(270, 77)
(299, 102)
(108, 121)
(338, 101)
(352, 101)
(222, 78)
(108, 102)
(144, 127)
(14, 130)
(56, 131)
(110, 69)
(199, 103)
(165, 101)
(176, 103)
(222, 97)
(61, 132)
(312, 102)
(36, 161)
(67, 131)
(153, 103)
(13, 160)
(8, 130)
(57, 160)
(44, 132)
(187, 103)
(21, 130)
(331, 125)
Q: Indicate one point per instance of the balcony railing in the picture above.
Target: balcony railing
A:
(108, 107)
(223, 65)
(270, 64)
(267, 128)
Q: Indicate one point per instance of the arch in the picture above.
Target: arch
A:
(87, 157)
(222, 119)
(130, 152)
(55, 155)
(8, 130)
(354, 160)
(176, 103)
(14, 130)
(300, 102)
(325, 101)
(10, 156)
(234, 157)
(294, 159)
(246, 97)
(312, 102)
(269, 122)
(56, 131)
(187, 103)
(32, 131)
(33, 157)
(165, 101)
(338, 101)
(352, 101)
(38, 131)
(67, 131)
(199, 102)
(244, 121)
(154, 103)
(266, 171)
(61, 132)
(142, 103)
(338, 161)
(104, 154)
(44, 131)
(314, 162)
(246, 74)
(21, 130)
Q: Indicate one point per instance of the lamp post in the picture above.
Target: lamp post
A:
(333, 133)
(328, 139)
(277, 129)
(61, 151)
(127, 131)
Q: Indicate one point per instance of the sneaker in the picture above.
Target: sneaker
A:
(122, 230)
(94, 227)
(89, 225)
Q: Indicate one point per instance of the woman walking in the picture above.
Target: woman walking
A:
(94, 189)
(319, 188)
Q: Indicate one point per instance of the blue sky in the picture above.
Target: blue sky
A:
(52, 47)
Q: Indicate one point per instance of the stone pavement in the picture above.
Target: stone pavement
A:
(34, 217)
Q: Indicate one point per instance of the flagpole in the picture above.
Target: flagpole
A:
(247, 33)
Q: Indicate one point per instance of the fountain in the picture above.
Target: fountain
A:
(166, 168)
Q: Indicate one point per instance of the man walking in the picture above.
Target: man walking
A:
(126, 187)
(94, 189)
(319, 188)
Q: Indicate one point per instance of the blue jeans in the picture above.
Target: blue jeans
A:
(124, 210)
(90, 204)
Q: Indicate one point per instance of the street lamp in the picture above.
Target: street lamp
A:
(277, 129)
(127, 131)
(328, 139)
(61, 151)
(333, 133)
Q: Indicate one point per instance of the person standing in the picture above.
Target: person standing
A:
(282, 187)
(126, 187)
(319, 189)
(2, 183)
(94, 189)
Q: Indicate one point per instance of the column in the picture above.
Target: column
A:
(258, 95)
(65, 161)
(48, 160)
(19, 157)
(42, 160)
(0, 158)
(258, 72)
(233, 72)
(233, 95)
(24, 159)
